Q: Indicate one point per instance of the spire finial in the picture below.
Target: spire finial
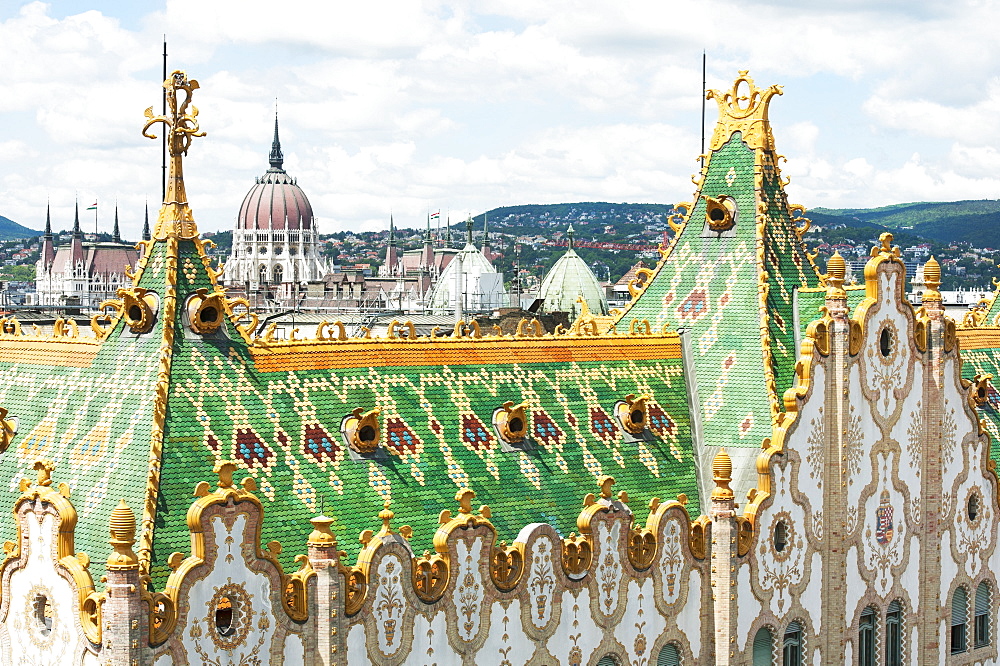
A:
(392, 230)
(468, 230)
(569, 236)
(486, 229)
(76, 219)
(122, 538)
(447, 241)
(932, 281)
(145, 226)
(181, 125)
(836, 272)
(48, 219)
(427, 239)
(277, 158)
(722, 473)
(116, 236)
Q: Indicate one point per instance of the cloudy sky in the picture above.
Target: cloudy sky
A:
(406, 107)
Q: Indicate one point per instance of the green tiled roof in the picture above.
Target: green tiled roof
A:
(282, 424)
(710, 284)
(983, 361)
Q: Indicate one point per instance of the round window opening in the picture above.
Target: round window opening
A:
(885, 342)
(135, 313)
(636, 416)
(516, 425)
(209, 315)
(973, 507)
(367, 434)
(43, 614)
(224, 616)
(780, 536)
(717, 214)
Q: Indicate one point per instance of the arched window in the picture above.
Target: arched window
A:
(763, 647)
(894, 635)
(982, 621)
(278, 274)
(959, 619)
(669, 656)
(791, 645)
(262, 272)
(607, 660)
(866, 637)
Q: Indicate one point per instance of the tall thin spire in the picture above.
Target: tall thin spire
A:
(76, 220)
(447, 242)
(468, 231)
(486, 229)
(392, 230)
(48, 219)
(145, 227)
(428, 236)
(569, 236)
(116, 236)
(277, 159)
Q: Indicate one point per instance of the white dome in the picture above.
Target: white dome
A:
(482, 285)
(569, 279)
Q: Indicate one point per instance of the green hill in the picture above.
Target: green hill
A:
(976, 222)
(11, 230)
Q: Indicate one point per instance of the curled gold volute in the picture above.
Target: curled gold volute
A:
(641, 548)
(577, 553)
(632, 413)
(720, 213)
(206, 311)
(507, 566)
(8, 428)
(363, 430)
(139, 308)
(511, 422)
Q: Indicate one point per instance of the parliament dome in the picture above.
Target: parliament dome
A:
(275, 201)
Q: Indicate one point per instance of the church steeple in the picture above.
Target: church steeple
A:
(116, 236)
(277, 159)
(76, 220)
(48, 220)
(145, 227)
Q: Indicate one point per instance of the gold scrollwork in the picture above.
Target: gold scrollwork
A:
(577, 554)
(950, 334)
(430, 576)
(979, 390)
(677, 219)
(638, 284)
(800, 223)
(720, 213)
(356, 588)
(362, 430)
(206, 311)
(632, 413)
(139, 308)
(641, 548)
(8, 428)
(507, 565)
(331, 330)
(511, 422)
(697, 541)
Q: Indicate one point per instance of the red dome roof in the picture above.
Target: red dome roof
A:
(276, 201)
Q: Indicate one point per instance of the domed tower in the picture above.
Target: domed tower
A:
(569, 280)
(275, 241)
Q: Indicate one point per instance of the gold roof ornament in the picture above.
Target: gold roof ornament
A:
(932, 280)
(744, 109)
(836, 272)
(322, 535)
(122, 538)
(722, 474)
(181, 123)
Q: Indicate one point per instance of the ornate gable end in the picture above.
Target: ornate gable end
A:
(872, 469)
(736, 258)
(49, 612)
(230, 596)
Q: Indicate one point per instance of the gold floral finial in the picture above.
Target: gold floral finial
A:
(932, 280)
(744, 109)
(181, 123)
(722, 473)
(122, 538)
(44, 469)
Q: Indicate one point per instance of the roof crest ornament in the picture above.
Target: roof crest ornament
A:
(277, 158)
(744, 109)
(181, 122)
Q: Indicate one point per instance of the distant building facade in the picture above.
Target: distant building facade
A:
(80, 274)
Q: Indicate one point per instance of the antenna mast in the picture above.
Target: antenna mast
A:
(703, 86)
(163, 142)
